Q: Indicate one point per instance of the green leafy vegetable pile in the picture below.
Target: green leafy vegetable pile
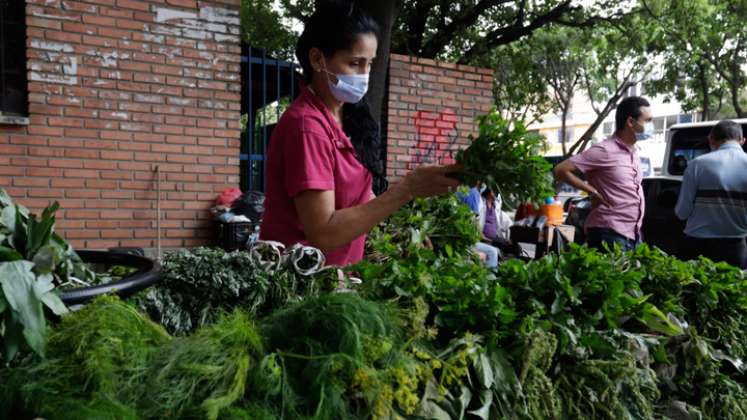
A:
(33, 261)
(508, 159)
(198, 284)
(430, 334)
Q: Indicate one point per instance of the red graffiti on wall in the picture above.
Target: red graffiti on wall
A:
(436, 138)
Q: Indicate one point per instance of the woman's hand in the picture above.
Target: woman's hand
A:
(427, 181)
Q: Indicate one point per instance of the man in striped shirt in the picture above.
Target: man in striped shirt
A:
(713, 199)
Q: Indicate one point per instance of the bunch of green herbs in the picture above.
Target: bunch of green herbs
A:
(198, 284)
(507, 158)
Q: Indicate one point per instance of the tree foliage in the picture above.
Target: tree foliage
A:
(266, 28)
(703, 46)
(467, 30)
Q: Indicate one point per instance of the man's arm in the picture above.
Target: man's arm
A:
(564, 172)
(686, 200)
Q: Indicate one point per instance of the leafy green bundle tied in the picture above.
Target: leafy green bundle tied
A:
(198, 284)
(202, 375)
(508, 159)
(94, 358)
(448, 225)
(109, 361)
(320, 346)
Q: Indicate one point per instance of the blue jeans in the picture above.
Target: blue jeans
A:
(491, 253)
(598, 237)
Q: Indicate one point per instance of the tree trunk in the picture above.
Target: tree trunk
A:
(564, 117)
(580, 145)
(734, 88)
(583, 141)
(385, 13)
(706, 95)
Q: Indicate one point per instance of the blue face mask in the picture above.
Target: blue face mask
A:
(648, 132)
(350, 88)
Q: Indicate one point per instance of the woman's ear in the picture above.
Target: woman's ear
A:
(316, 58)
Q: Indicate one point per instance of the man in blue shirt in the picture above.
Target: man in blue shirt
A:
(472, 198)
(713, 199)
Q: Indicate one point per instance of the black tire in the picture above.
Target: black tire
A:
(148, 274)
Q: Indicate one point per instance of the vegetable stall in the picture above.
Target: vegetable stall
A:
(427, 333)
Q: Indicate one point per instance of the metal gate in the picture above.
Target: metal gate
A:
(268, 87)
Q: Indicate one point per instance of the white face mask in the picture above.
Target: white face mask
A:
(350, 88)
(648, 132)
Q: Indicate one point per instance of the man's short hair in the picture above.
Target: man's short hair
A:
(726, 130)
(629, 107)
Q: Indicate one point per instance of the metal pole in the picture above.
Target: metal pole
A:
(158, 211)
(250, 127)
(264, 123)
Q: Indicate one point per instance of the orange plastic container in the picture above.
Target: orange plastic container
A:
(553, 212)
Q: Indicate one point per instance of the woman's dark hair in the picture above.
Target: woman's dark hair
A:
(335, 26)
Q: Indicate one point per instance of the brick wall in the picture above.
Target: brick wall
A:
(116, 88)
(432, 110)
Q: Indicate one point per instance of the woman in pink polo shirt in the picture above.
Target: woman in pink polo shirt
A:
(325, 151)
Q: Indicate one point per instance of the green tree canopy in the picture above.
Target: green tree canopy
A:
(704, 52)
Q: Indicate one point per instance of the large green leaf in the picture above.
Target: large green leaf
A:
(9, 254)
(12, 338)
(5, 200)
(39, 233)
(484, 371)
(18, 285)
(3, 306)
(486, 402)
(20, 234)
(44, 289)
(45, 260)
(8, 218)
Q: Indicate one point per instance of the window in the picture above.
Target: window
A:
(607, 128)
(671, 120)
(568, 134)
(685, 118)
(13, 87)
(659, 125)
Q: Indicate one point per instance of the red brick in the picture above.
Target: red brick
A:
(140, 147)
(97, 164)
(134, 66)
(30, 182)
(118, 13)
(118, 233)
(100, 244)
(80, 113)
(116, 214)
(82, 194)
(81, 173)
(115, 135)
(63, 37)
(45, 192)
(116, 195)
(102, 224)
(81, 233)
(21, 162)
(99, 20)
(46, 151)
(132, 4)
(43, 23)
